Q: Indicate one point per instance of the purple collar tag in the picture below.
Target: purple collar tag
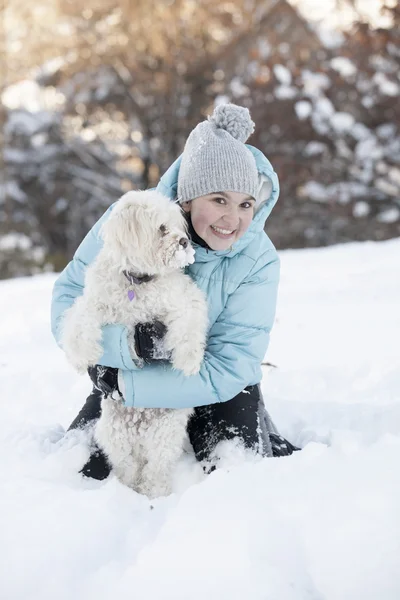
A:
(131, 295)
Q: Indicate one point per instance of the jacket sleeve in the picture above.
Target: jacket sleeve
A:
(70, 284)
(236, 347)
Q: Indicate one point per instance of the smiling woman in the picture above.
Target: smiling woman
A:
(220, 219)
(227, 190)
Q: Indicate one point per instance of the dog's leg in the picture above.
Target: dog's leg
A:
(116, 434)
(81, 335)
(163, 444)
(187, 330)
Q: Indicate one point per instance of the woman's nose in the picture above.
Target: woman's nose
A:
(231, 219)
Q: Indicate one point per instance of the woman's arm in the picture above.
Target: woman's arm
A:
(236, 346)
(70, 285)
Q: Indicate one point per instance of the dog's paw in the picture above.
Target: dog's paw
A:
(187, 360)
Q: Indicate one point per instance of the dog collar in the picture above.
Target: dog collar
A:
(138, 279)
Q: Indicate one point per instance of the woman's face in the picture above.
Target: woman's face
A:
(220, 219)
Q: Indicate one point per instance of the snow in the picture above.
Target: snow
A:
(314, 148)
(314, 191)
(361, 209)
(330, 38)
(11, 188)
(341, 191)
(368, 149)
(303, 109)
(322, 524)
(29, 95)
(367, 102)
(285, 92)
(40, 139)
(283, 74)
(263, 48)
(391, 215)
(387, 130)
(314, 83)
(342, 122)
(390, 88)
(386, 187)
(360, 131)
(343, 65)
(238, 88)
(324, 107)
(11, 241)
(24, 94)
(342, 15)
(330, 18)
(28, 123)
(183, 257)
(394, 175)
(323, 113)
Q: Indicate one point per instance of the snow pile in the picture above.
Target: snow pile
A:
(322, 524)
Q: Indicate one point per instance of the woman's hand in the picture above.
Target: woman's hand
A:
(105, 379)
(148, 346)
(149, 341)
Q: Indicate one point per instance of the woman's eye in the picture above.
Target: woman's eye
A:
(219, 200)
(246, 205)
(163, 229)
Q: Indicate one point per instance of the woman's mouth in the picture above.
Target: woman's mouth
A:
(222, 233)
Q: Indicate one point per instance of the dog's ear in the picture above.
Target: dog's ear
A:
(124, 231)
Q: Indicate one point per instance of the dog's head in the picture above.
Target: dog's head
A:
(147, 233)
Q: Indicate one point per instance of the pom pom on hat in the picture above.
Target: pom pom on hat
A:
(234, 119)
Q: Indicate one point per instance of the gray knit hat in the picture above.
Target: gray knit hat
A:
(215, 158)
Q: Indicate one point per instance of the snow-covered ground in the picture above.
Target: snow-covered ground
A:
(322, 524)
(341, 15)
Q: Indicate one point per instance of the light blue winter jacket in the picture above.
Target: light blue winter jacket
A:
(241, 287)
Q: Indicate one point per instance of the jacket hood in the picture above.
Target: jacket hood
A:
(269, 193)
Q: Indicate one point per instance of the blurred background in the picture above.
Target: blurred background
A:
(98, 97)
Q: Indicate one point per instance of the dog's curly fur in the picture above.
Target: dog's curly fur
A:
(145, 234)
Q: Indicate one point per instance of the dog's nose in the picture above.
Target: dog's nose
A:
(184, 242)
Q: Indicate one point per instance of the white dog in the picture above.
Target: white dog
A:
(136, 278)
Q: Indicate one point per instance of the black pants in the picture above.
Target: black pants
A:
(241, 418)
(244, 418)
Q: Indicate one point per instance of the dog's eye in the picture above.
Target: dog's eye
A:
(163, 229)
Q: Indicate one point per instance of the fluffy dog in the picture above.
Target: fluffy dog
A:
(136, 278)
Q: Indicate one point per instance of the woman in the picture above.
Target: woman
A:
(227, 190)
